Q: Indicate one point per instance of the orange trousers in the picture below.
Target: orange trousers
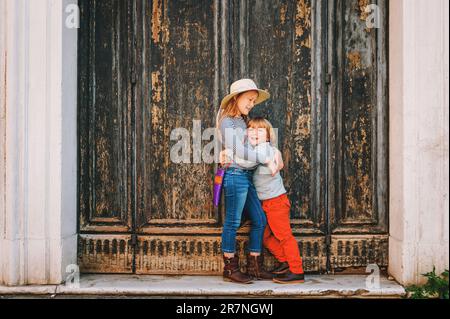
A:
(278, 237)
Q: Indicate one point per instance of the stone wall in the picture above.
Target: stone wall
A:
(418, 147)
(38, 142)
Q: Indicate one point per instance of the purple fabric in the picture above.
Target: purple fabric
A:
(218, 178)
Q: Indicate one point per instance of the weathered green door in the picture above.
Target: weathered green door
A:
(149, 67)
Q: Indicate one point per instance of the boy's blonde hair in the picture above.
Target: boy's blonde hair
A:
(260, 122)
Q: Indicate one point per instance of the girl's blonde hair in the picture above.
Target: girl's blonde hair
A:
(231, 110)
(260, 122)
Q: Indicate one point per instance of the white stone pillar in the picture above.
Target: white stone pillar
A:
(38, 142)
(418, 147)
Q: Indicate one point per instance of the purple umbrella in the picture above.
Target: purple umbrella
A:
(218, 179)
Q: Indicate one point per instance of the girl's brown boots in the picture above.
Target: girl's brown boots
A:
(232, 272)
(255, 268)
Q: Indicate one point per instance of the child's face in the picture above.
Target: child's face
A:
(257, 135)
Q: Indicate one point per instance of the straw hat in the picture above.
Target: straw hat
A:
(241, 86)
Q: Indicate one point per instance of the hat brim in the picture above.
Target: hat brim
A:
(262, 96)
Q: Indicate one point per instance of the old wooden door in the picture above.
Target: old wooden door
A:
(149, 67)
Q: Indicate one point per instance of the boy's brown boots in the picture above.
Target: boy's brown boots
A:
(255, 268)
(280, 268)
(231, 271)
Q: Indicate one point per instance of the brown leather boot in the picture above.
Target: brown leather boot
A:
(255, 268)
(231, 271)
(290, 278)
(280, 268)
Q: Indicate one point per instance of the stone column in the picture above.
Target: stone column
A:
(418, 146)
(38, 142)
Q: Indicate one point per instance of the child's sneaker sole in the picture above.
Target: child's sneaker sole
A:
(300, 281)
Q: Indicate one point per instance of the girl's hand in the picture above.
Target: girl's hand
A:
(224, 157)
(273, 167)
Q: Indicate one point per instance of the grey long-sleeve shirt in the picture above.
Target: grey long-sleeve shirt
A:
(233, 131)
(266, 185)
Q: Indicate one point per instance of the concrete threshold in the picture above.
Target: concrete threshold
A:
(315, 286)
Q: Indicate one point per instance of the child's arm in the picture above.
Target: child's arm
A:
(277, 164)
(271, 167)
(226, 157)
(278, 159)
(272, 164)
(232, 140)
(244, 163)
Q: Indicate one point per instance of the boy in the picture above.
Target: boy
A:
(278, 237)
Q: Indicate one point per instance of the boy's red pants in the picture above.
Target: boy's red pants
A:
(278, 236)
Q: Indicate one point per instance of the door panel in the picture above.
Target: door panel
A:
(357, 137)
(181, 44)
(105, 109)
(178, 57)
(105, 120)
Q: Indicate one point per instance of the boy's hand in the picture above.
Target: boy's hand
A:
(279, 160)
(273, 167)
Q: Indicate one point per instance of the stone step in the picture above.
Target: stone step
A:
(315, 286)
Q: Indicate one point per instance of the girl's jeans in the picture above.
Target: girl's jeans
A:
(240, 194)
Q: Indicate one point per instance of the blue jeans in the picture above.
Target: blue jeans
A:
(240, 194)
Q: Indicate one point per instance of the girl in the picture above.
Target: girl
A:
(238, 185)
